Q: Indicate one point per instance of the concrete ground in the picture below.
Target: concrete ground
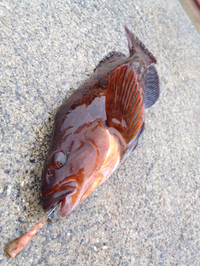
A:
(148, 212)
(193, 11)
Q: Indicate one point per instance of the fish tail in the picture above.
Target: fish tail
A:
(135, 45)
(153, 87)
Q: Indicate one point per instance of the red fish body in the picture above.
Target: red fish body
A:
(98, 127)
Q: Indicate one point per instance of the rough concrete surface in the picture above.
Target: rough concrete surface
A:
(193, 11)
(148, 212)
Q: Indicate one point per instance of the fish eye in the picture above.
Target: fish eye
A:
(58, 159)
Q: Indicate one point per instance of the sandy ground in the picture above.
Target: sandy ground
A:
(148, 212)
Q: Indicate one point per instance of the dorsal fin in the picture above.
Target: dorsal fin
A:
(135, 45)
(124, 102)
(112, 56)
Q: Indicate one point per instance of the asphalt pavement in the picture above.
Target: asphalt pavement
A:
(148, 212)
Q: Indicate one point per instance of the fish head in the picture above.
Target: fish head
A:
(70, 167)
(65, 174)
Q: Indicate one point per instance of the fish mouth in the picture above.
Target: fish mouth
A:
(63, 192)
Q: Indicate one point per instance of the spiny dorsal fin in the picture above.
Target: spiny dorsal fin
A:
(109, 58)
(124, 102)
(153, 88)
(135, 45)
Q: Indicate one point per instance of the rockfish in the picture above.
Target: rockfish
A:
(99, 126)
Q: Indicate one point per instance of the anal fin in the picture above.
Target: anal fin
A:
(124, 102)
(136, 46)
(153, 88)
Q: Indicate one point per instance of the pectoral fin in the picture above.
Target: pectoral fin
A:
(124, 102)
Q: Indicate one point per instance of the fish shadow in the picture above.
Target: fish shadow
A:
(28, 196)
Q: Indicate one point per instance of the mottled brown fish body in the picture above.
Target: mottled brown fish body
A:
(98, 127)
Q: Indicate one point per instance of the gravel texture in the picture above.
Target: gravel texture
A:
(148, 212)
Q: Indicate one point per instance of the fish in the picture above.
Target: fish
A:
(99, 125)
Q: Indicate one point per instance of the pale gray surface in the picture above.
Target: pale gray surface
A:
(148, 212)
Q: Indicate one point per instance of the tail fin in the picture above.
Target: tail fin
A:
(135, 45)
(153, 88)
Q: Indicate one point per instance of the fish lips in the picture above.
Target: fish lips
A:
(65, 190)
